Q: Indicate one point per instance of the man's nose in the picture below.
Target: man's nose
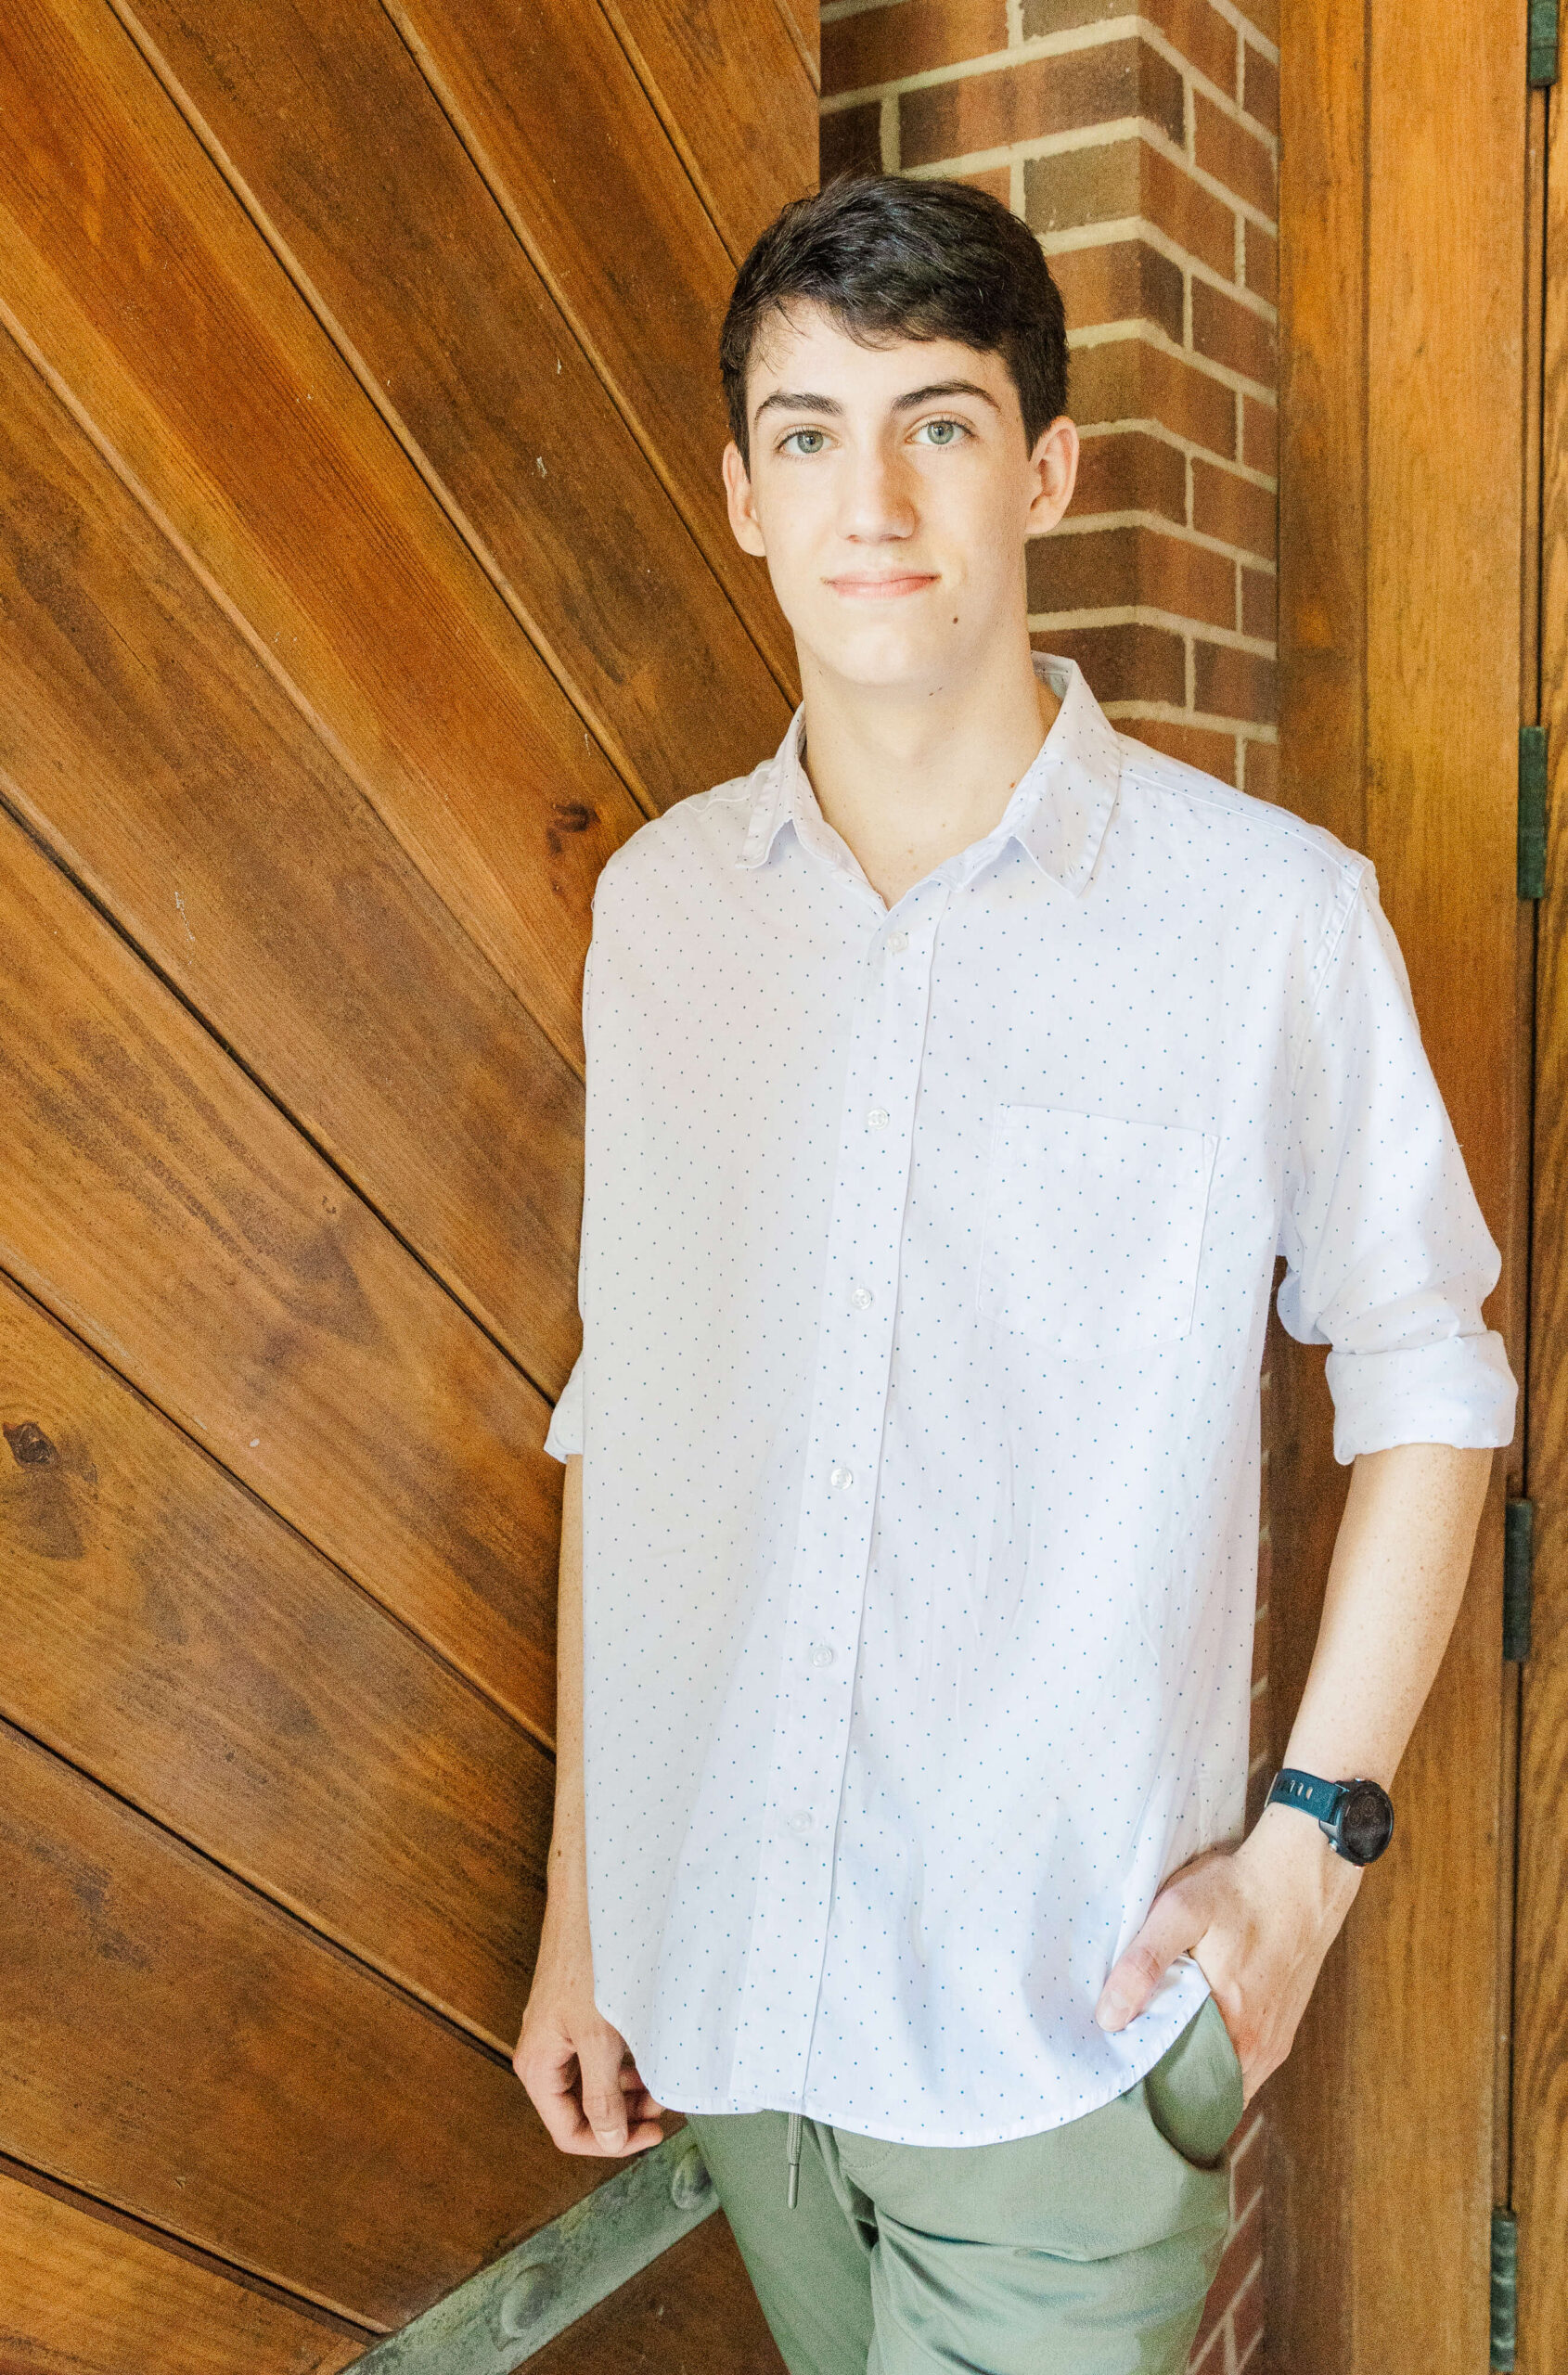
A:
(878, 500)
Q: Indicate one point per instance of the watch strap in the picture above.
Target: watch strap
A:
(1307, 1791)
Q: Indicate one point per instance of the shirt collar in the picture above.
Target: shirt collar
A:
(1059, 813)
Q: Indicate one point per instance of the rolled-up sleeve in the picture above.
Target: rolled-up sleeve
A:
(563, 1439)
(1389, 1259)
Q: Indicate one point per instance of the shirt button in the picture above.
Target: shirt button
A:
(877, 1117)
(840, 1479)
(897, 942)
(860, 1298)
(801, 1824)
(820, 1654)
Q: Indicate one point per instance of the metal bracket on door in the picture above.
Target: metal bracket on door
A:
(1541, 39)
(506, 2313)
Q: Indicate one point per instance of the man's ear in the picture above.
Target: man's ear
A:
(744, 522)
(1054, 468)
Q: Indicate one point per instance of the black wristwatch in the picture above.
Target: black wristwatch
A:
(1356, 1818)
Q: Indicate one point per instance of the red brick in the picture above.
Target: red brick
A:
(1199, 32)
(1257, 1783)
(1132, 662)
(1258, 1734)
(1260, 436)
(1260, 1627)
(1131, 472)
(1235, 155)
(1260, 86)
(1129, 379)
(1216, 753)
(1247, 2156)
(1263, 262)
(1208, 2350)
(1120, 280)
(1045, 94)
(1233, 509)
(1235, 684)
(913, 37)
(850, 141)
(1261, 770)
(1264, 14)
(1260, 604)
(1246, 2318)
(1118, 178)
(1105, 569)
(997, 180)
(1232, 334)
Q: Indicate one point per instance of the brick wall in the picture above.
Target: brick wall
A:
(1143, 150)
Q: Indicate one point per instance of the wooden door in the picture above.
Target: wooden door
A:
(1402, 415)
(363, 583)
(1534, 2179)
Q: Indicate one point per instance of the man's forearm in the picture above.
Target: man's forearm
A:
(1396, 1582)
(568, 1874)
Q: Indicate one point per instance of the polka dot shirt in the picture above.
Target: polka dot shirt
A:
(926, 1262)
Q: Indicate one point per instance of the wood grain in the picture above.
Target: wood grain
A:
(141, 736)
(693, 2311)
(550, 105)
(160, 1205)
(1402, 352)
(173, 2044)
(84, 2296)
(168, 1635)
(133, 272)
(1540, 1994)
(719, 73)
(460, 342)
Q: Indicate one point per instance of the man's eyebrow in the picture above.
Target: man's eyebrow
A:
(944, 387)
(786, 400)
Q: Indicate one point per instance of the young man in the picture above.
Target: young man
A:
(953, 1082)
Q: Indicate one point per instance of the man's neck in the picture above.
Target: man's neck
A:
(908, 778)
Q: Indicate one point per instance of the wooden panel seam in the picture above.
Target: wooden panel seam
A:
(672, 133)
(254, 641)
(532, 626)
(147, 2231)
(447, 100)
(14, 806)
(495, 2054)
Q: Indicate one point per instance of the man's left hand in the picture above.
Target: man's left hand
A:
(1257, 1919)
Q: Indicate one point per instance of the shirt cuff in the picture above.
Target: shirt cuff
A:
(564, 1440)
(1459, 1391)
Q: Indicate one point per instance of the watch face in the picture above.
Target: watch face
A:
(1366, 1823)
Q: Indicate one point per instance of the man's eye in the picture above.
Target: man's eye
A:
(942, 432)
(805, 441)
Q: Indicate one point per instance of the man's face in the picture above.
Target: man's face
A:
(892, 492)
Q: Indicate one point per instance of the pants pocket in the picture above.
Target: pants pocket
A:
(1194, 2092)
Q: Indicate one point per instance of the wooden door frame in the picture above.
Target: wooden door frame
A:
(1402, 239)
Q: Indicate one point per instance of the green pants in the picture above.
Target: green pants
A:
(1086, 2251)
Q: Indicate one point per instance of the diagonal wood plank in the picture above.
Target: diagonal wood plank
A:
(170, 1636)
(456, 337)
(172, 2043)
(135, 273)
(156, 1201)
(551, 108)
(85, 2296)
(145, 741)
(720, 73)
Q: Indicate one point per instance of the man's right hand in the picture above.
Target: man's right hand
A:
(579, 2072)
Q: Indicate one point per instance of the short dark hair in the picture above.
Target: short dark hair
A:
(889, 258)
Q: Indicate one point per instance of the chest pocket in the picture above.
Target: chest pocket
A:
(1093, 1229)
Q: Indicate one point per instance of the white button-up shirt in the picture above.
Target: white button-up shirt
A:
(926, 1262)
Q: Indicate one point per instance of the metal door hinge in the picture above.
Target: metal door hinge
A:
(1541, 43)
(1505, 2290)
(1532, 812)
(1519, 1575)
